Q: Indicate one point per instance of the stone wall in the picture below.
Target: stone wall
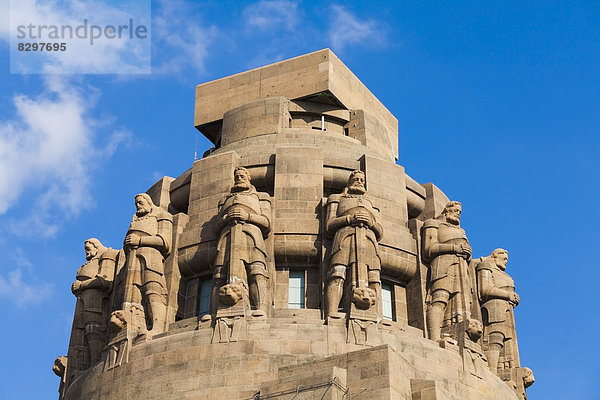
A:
(291, 351)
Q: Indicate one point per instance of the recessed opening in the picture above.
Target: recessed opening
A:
(296, 289)
(204, 297)
(387, 299)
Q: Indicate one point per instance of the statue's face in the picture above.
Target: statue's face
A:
(241, 179)
(90, 251)
(357, 184)
(453, 214)
(501, 259)
(142, 206)
(240, 176)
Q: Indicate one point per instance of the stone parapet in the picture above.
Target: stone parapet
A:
(294, 352)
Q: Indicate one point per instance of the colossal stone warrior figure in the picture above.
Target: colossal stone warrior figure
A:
(351, 216)
(92, 287)
(147, 244)
(498, 298)
(240, 264)
(447, 250)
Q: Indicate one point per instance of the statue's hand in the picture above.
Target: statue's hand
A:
(76, 287)
(514, 298)
(102, 280)
(361, 218)
(465, 249)
(132, 240)
(237, 215)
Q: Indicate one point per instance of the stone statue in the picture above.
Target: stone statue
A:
(240, 267)
(447, 251)
(146, 245)
(498, 298)
(92, 288)
(351, 220)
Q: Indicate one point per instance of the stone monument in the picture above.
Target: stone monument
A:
(267, 270)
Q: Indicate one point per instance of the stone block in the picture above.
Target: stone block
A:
(435, 201)
(255, 118)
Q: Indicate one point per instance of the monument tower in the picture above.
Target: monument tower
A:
(295, 259)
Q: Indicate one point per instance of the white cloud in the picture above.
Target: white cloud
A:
(21, 293)
(117, 138)
(272, 14)
(347, 29)
(180, 39)
(48, 149)
(20, 258)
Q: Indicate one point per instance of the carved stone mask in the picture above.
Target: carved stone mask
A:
(364, 298)
(528, 378)
(230, 294)
(59, 366)
(474, 329)
(117, 321)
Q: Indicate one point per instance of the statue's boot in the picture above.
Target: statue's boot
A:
(435, 314)
(159, 316)
(492, 355)
(95, 344)
(94, 335)
(496, 342)
(259, 295)
(214, 297)
(333, 295)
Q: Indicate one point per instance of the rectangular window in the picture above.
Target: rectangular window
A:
(204, 297)
(386, 301)
(296, 290)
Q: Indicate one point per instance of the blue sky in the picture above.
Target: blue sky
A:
(498, 104)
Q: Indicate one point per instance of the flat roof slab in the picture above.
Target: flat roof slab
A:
(320, 72)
